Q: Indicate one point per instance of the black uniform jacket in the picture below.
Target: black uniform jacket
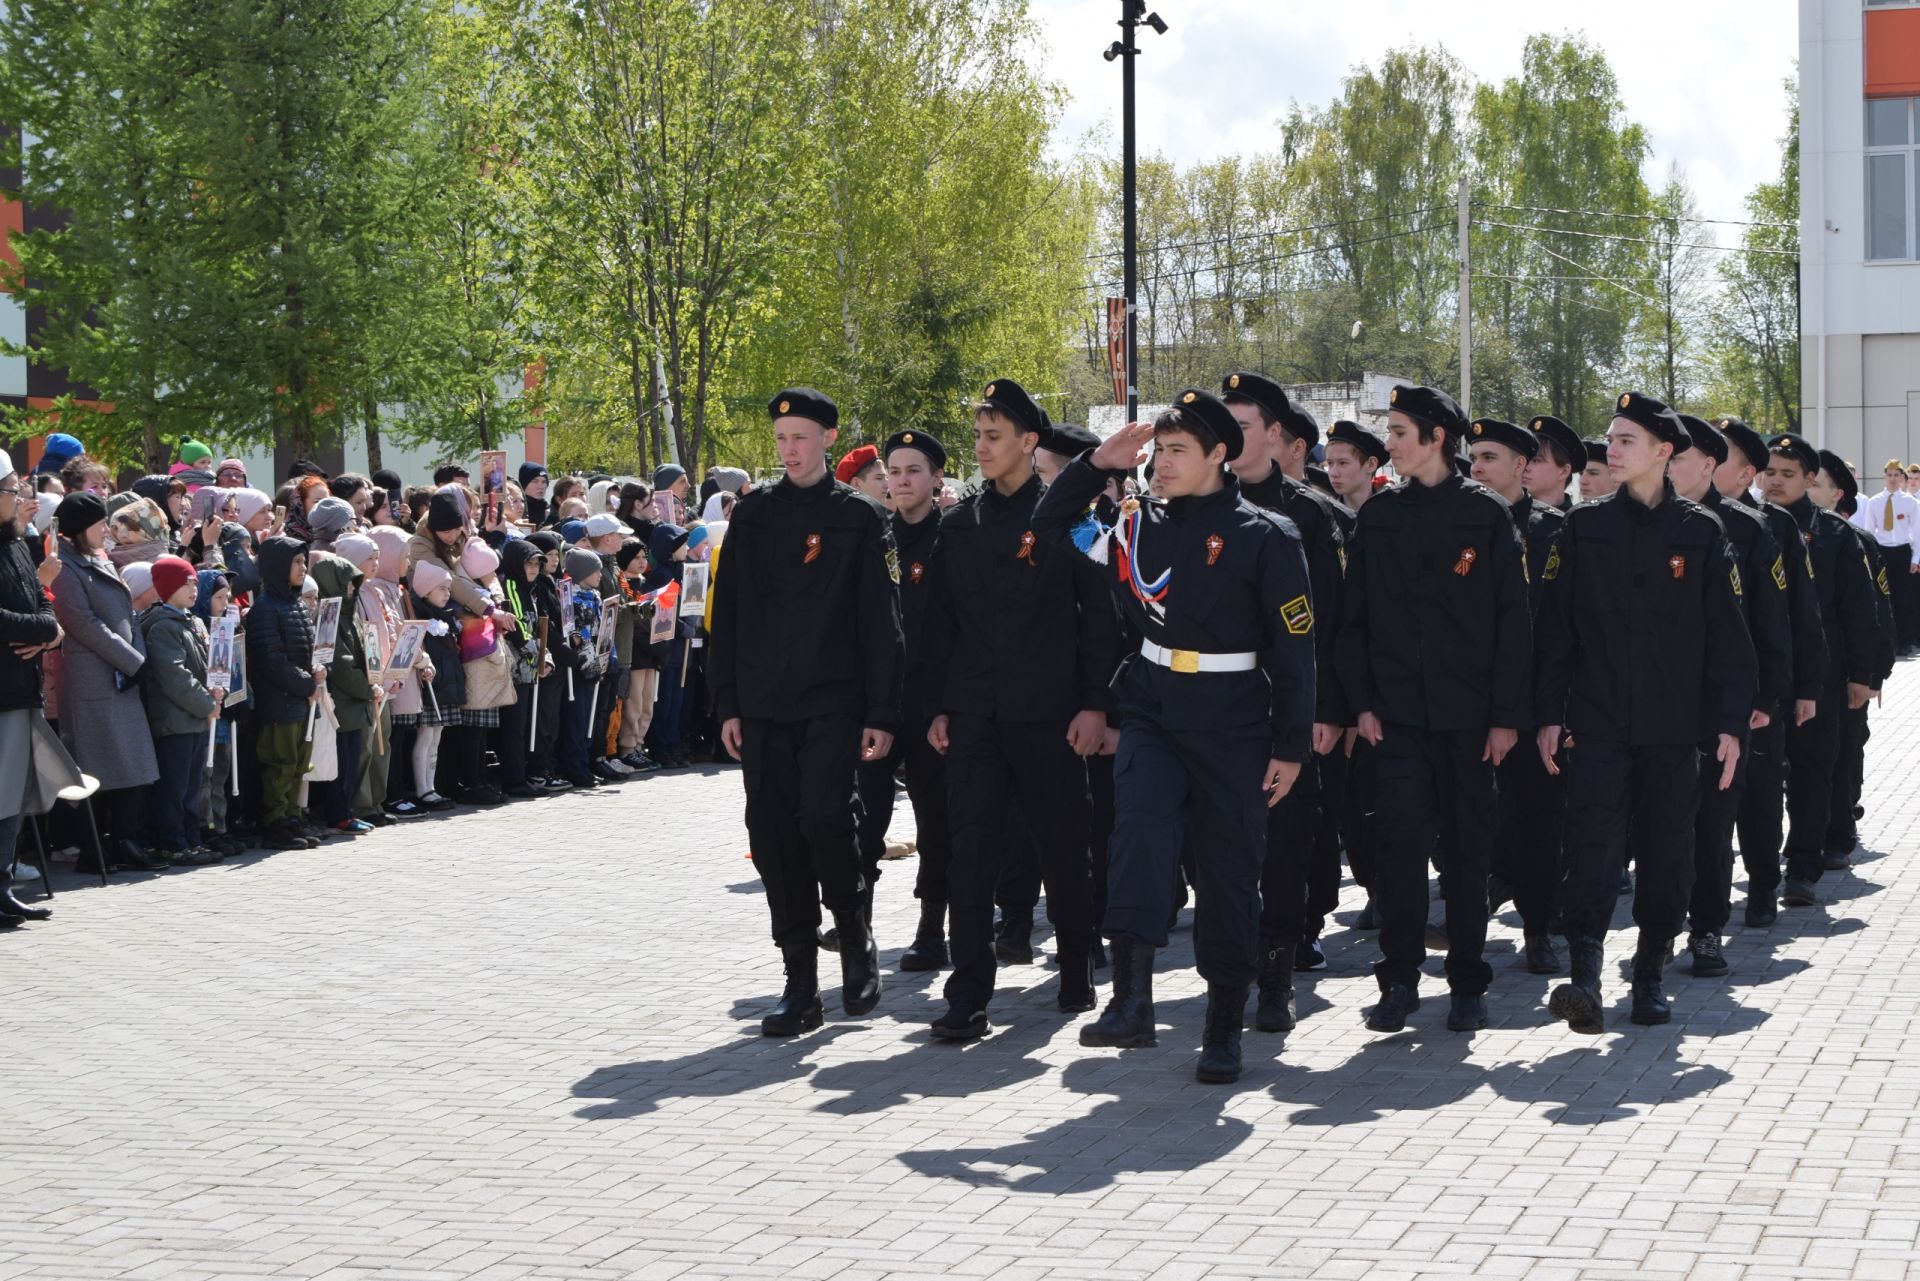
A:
(1538, 526)
(1324, 537)
(1436, 632)
(1803, 599)
(1022, 628)
(1642, 634)
(1764, 584)
(1237, 584)
(916, 546)
(806, 617)
(1843, 584)
(1886, 642)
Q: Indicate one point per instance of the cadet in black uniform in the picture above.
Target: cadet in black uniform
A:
(1216, 708)
(916, 464)
(1643, 653)
(1837, 490)
(1596, 479)
(1765, 766)
(1028, 637)
(1268, 422)
(1435, 650)
(1763, 581)
(1354, 457)
(1844, 584)
(805, 666)
(1526, 854)
(1562, 453)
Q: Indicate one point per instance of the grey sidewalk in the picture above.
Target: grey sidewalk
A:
(522, 1044)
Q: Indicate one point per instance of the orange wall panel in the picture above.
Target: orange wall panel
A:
(1893, 53)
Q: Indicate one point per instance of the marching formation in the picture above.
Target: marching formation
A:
(1216, 677)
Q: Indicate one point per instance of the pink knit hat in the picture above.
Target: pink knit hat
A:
(479, 560)
(427, 575)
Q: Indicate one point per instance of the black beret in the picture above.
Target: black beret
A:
(1563, 437)
(1639, 408)
(1702, 436)
(1260, 390)
(936, 453)
(1429, 405)
(1795, 448)
(1596, 452)
(1746, 440)
(1010, 398)
(1501, 432)
(1207, 410)
(1839, 473)
(1318, 478)
(1069, 441)
(805, 402)
(1352, 433)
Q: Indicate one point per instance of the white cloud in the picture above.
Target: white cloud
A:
(1703, 76)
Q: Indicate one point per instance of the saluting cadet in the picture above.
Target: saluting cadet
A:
(1216, 708)
(1759, 823)
(1435, 650)
(1526, 855)
(805, 666)
(1892, 516)
(1028, 638)
(1643, 653)
(1837, 490)
(1844, 584)
(1562, 452)
(1596, 479)
(1270, 428)
(1763, 580)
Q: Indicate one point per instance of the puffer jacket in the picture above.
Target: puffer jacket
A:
(279, 637)
(173, 684)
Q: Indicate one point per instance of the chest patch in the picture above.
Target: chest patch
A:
(1780, 572)
(813, 548)
(1464, 565)
(1297, 614)
(1678, 564)
(915, 574)
(1215, 545)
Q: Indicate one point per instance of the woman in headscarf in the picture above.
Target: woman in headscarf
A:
(139, 532)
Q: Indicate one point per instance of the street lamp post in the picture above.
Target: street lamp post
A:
(1132, 14)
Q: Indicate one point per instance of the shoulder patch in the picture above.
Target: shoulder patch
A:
(1881, 578)
(1780, 572)
(893, 563)
(1552, 571)
(1733, 572)
(1297, 614)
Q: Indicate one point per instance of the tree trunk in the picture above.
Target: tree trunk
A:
(370, 414)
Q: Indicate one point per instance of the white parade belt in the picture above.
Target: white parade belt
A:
(1187, 660)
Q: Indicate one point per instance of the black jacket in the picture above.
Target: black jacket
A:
(1021, 627)
(1642, 636)
(1803, 599)
(806, 616)
(1237, 583)
(26, 618)
(1886, 640)
(1843, 584)
(1436, 633)
(1539, 527)
(916, 546)
(1764, 588)
(279, 637)
(1323, 535)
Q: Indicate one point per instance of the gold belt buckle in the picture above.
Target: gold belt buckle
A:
(1185, 660)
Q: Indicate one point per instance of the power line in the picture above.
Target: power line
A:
(1216, 268)
(1635, 240)
(1268, 233)
(1609, 213)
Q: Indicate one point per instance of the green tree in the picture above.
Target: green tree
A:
(1756, 337)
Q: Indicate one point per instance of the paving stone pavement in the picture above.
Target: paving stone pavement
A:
(523, 1045)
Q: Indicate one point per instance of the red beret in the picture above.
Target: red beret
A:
(855, 462)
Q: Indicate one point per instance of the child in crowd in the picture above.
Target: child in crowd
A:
(445, 690)
(579, 653)
(285, 683)
(180, 712)
(350, 684)
(212, 604)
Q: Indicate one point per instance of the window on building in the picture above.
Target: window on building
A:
(1893, 178)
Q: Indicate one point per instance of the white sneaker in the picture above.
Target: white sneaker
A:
(26, 872)
(620, 767)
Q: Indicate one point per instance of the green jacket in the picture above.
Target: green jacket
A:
(348, 680)
(173, 684)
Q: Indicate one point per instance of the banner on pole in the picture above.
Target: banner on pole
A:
(1117, 347)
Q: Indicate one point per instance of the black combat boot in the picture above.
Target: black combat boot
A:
(928, 951)
(1220, 1044)
(1274, 1012)
(1396, 1002)
(1466, 1013)
(799, 1007)
(1542, 957)
(1578, 1000)
(1014, 944)
(1076, 979)
(859, 963)
(1649, 964)
(1127, 1021)
(1708, 960)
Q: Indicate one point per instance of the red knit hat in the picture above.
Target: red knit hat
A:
(170, 574)
(855, 462)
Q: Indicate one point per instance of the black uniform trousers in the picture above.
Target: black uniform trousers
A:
(993, 766)
(1359, 799)
(1286, 873)
(800, 818)
(1813, 753)
(1710, 902)
(1760, 822)
(926, 774)
(1904, 586)
(1614, 789)
(1199, 788)
(1323, 873)
(1019, 887)
(1100, 791)
(1528, 854)
(1849, 777)
(1430, 779)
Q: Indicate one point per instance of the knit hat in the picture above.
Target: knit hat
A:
(696, 536)
(529, 471)
(582, 565)
(478, 560)
(445, 511)
(603, 524)
(356, 548)
(192, 451)
(545, 539)
(392, 542)
(628, 550)
(59, 449)
(730, 479)
(572, 531)
(666, 474)
(170, 574)
(330, 518)
(428, 575)
(138, 577)
(79, 513)
(230, 465)
(304, 467)
(248, 503)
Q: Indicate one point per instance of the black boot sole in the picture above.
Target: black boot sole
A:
(1267, 1019)
(912, 962)
(972, 1031)
(1093, 1040)
(1647, 1018)
(1077, 1004)
(1377, 1022)
(1579, 1011)
(1216, 1076)
(1710, 971)
(1762, 919)
(1012, 955)
(814, 1016)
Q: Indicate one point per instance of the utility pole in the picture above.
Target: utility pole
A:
(1466, 306)
(1132, 14)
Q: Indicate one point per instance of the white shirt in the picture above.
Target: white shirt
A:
(1872, 517)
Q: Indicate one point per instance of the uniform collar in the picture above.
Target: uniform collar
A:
(1224, 498)
(992, 496)
(1640, 510)
(787, 491)
(1803, 512)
